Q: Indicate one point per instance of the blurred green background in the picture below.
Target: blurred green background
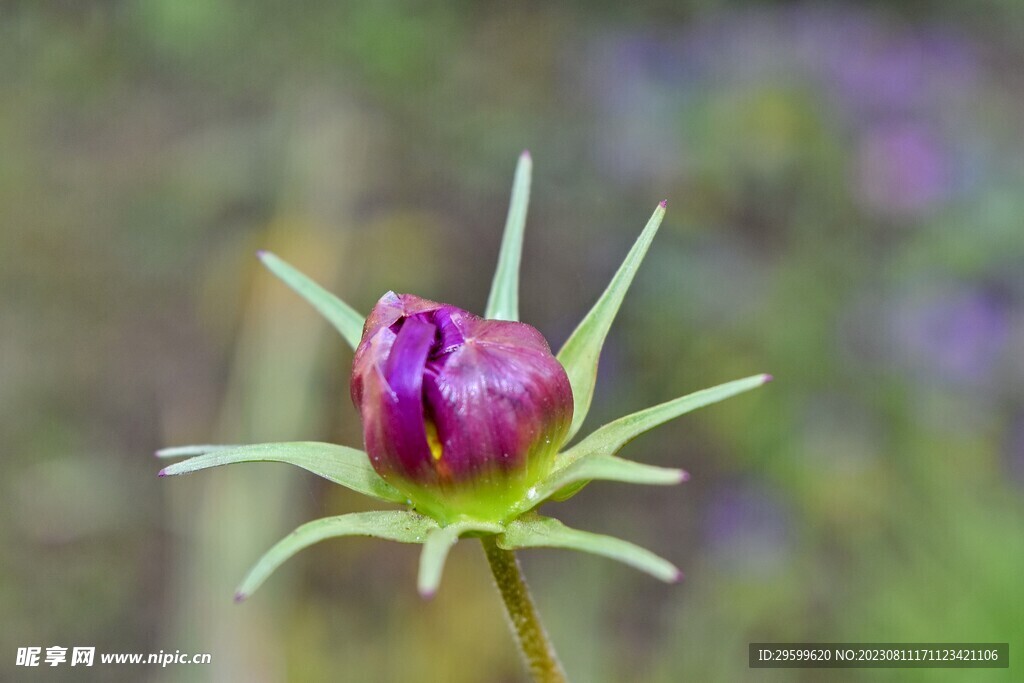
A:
(846, 192)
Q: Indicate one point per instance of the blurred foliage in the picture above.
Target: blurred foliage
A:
(844, 185)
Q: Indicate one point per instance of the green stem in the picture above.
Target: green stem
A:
(523, 617)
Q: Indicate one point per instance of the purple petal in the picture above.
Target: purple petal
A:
(403, 419)
(392, 308)
(497, 400)
(448, 398)
(377, 337)
(448, 329)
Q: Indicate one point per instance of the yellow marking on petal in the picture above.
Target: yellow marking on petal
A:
(433, 441)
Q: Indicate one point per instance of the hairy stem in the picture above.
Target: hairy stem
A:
(533, 641)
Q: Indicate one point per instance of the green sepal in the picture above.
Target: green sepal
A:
(565, 493)
(402, 526)
(604, 467)
(581, 352)
(535, 531)
(503, 301)
(188, 451)
(342, 316)
(435, 551)
(345, 466)
(610, 438)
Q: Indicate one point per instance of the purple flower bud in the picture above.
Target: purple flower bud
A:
(461, 414)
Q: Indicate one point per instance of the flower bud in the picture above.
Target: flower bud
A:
(461, 414)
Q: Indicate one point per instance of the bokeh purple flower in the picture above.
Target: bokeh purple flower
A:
(904, 170)
(753, 90)
(747, 529)
(957, 334)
